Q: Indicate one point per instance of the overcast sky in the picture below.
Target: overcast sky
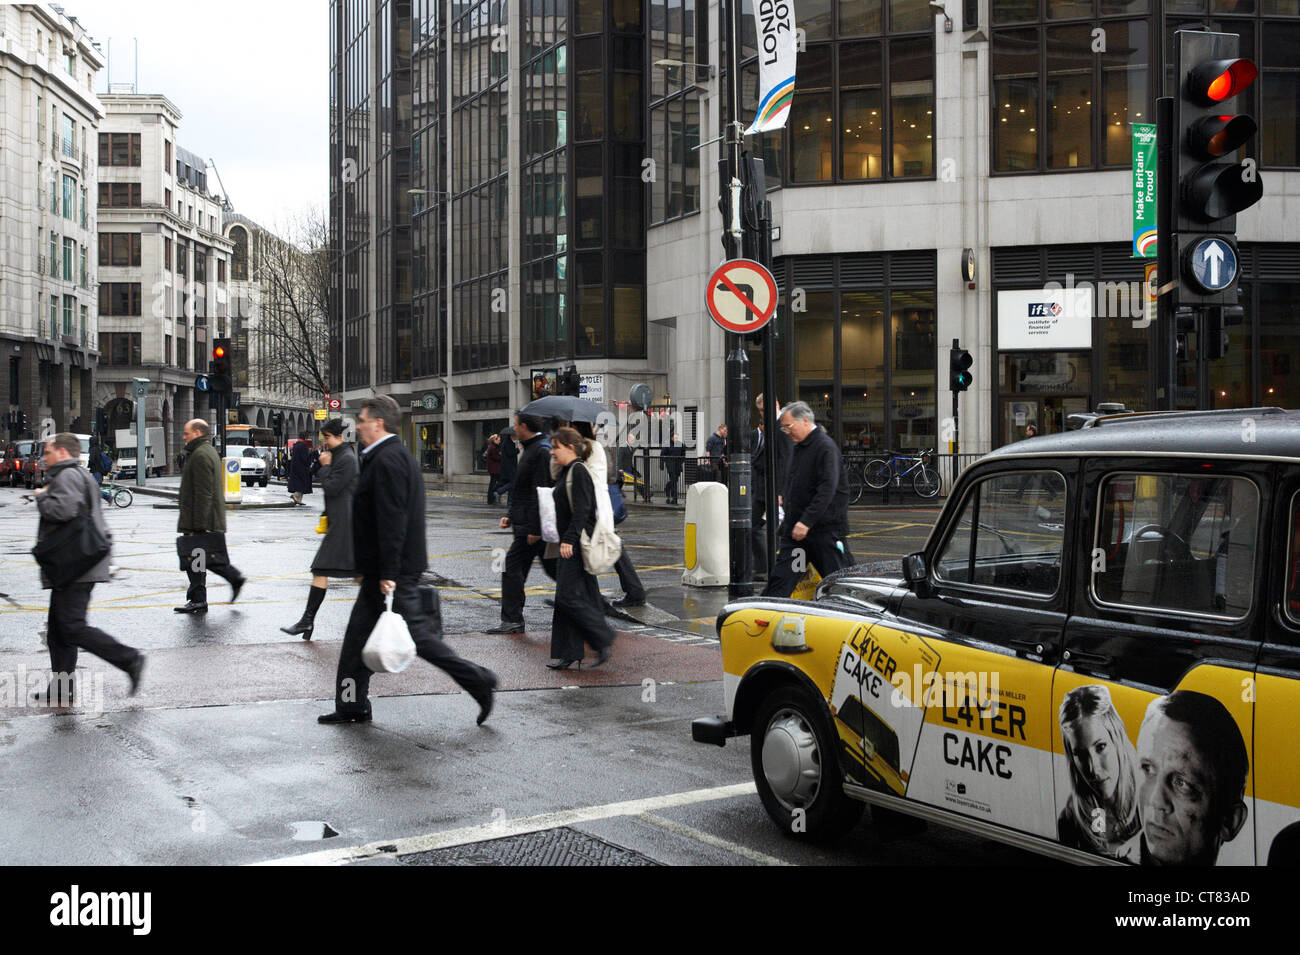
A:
(251, 80)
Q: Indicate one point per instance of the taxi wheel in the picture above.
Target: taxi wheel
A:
(796, 768)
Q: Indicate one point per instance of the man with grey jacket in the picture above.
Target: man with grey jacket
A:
(70, 494)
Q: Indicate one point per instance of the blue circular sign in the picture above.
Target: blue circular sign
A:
(202, 383)
(232, 466)
(1213, 263)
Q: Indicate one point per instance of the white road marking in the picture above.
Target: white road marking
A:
(517, 827)
(753, 855)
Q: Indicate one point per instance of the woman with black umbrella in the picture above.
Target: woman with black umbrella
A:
(579, 611)
(338, 479)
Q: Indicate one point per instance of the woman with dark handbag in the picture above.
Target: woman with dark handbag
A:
(73, 527)
(579, 609)
(300, 469)
(338, 479)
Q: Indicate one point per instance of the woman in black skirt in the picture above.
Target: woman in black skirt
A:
(579, 610)
(338, 479)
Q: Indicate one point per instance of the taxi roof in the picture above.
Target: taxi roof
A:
(1234, 432)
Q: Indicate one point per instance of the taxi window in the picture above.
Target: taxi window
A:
(1177, 543)
(1010, 534)
(251, 453)
(1293, 563)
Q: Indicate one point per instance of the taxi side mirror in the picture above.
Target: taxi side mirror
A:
(915, 571)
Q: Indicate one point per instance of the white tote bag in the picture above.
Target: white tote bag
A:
(601, 548)
(389, 648)
(546, 511)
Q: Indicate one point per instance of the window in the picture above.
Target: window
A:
(84, 218)
(119, 248)
(182, 257)
(200, 263)
(239, 257)
(167, 349)
(167, 162)
(119, 348)
(69, 258)
(119, 149)
(69, 130)
(167, 253)
(54, 316)
(54, 255)
(677, 35)
(119, 298)
(69, 197)
(69, 311)
(85, 312)
(167, 198)
(1010, 535)
(119, 194)
(81, 261)
(1059, 101)
(1178, 543)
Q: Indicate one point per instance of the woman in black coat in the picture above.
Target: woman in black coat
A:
(579, 608)
(338, 479)
(300, 469)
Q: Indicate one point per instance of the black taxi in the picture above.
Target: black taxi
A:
(1096, 656)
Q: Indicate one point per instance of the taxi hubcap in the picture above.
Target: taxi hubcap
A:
(791, 760)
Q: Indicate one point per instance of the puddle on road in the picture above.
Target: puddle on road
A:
(312, 830)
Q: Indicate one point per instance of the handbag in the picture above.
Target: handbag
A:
(389, 648)
(546, 513)
(72, 548)
(601, 548)
(210, 548)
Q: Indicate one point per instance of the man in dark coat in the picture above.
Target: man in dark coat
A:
(492, 455)
(816, 502)
(673, 458)
(759, 507)
(509, 463)
(716, 448)
(300, 462)
(70, 494)
(203, 511)
(389, 547)
(534, 471)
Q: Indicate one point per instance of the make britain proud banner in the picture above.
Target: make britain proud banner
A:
(774, 24)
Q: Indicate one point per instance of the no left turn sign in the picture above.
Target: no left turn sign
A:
(741, 296)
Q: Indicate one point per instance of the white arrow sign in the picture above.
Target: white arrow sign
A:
(1214, 256)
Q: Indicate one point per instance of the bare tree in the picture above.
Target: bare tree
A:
(292, 270)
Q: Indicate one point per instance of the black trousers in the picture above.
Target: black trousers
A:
(67, 631)
(579, 611)
(198, 589)
(633, 589)
(519, 561)
(494, 486)
(670, 486)
(758, 537)
(816, 550)
(352, 683)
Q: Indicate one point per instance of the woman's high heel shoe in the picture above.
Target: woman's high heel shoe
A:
(563, 664)
(302, 626)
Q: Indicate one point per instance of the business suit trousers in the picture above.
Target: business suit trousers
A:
(794, 557)
(758, 536)
(352, 683)
(633, 589)
(198, 589)
(67, 632)
(519, 561)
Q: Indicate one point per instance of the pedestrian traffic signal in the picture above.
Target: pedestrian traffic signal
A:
(219, 370)
(1210, 187)
(959, 362)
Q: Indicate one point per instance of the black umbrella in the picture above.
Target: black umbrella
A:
(564, 408)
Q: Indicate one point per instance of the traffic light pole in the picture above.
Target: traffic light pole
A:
(956, 421)
(1166, 259)
(737, 384)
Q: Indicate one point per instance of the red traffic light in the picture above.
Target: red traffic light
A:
(1218, 80)
(218, 352)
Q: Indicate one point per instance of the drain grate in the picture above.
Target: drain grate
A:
(562, 846)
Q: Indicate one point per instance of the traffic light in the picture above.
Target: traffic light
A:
(959, 362)
(1211, 186)
(1217, 320)
(219, 378)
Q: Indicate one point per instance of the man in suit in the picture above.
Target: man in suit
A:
(533, 471)
(673, 459)
(389, 547)
(203, 511)
(70, 494)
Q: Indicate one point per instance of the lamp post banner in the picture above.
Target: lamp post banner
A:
(1144, 190)
(774, 25)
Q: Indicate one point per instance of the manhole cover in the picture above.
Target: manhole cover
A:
(563, 846)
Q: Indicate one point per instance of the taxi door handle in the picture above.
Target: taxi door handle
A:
(1089, 660)
(1029, 646)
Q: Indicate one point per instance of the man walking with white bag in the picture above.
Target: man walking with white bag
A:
(389, 546)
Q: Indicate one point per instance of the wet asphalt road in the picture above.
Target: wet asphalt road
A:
(220, 760)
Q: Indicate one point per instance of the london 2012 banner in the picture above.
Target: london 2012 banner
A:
(774, 24)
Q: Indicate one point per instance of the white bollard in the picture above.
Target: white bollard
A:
(234, 480)
(708, 526)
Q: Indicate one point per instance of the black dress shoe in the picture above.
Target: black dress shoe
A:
(563, 664)
(506, 627)
(485, 701)
(236, 587)
(46, 698)
(624, 602)
(337, 717)
(192, 607)
(602, 656)
(134, 671)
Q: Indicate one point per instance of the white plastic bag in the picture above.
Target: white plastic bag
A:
(389, 649)
(546, 511)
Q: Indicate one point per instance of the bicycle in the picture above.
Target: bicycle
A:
(116, 494)
(856, 481)
(925, 479)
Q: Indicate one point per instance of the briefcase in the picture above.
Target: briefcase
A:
(211, 545)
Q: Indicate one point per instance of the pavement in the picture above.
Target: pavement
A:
(219, 759)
